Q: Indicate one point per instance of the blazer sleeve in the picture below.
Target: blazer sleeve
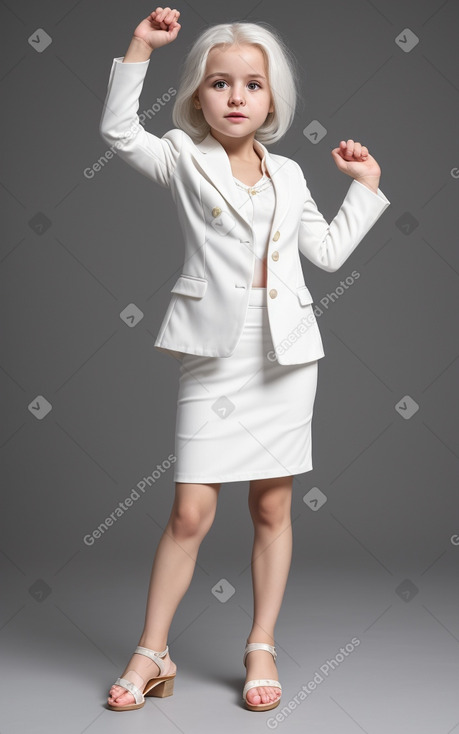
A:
(329, 245)
(120, 125)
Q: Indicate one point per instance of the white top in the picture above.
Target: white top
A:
(257, 202)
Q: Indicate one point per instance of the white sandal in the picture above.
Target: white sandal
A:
(161, 685)
(256, 683)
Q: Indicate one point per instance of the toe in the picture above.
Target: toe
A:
(253, 696)
(262, 694)
(120, 696)
(116, 691)
(275, 693)
(256, 696)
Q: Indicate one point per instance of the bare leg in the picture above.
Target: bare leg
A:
(270, 509)
(191, 518)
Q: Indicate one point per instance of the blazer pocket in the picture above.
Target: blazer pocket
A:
(190, 285)
(304, 295)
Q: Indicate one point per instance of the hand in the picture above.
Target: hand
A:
(354, 159)
(159, 28)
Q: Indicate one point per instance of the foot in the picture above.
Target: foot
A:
(260, 664)
(139, 671)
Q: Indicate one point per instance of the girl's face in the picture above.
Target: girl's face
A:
(235, 80)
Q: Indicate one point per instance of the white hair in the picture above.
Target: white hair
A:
(281, 71)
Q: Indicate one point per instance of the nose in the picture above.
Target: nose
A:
(236, 97)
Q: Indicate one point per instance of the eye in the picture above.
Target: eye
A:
(221, 81)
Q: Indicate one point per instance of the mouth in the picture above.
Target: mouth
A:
(236, 114)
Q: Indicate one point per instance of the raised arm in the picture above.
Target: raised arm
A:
(329, 245)
(120, 126)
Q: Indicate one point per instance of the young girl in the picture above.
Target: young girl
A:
(240, 319)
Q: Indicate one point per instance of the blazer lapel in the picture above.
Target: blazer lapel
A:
(216, 166)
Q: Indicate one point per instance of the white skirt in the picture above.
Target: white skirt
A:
(245, 416)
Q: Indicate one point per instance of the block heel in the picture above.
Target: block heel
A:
(161, 690)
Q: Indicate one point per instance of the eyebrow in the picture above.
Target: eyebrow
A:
(224, 73)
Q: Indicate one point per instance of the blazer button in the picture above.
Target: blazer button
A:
(216, 211)
(275, 255)
(273, 293)
(276, 236)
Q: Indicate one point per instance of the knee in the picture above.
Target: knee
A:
(187, 521)
(273, 512)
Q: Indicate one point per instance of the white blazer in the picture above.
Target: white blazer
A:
(209, 301)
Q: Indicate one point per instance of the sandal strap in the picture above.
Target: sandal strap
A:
(136, 692)
(153, 655)
(262, 682)
(259, 646)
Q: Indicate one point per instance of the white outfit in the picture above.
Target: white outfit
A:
(249, 355)
(258, 209)
(245, 416)
(209, 300)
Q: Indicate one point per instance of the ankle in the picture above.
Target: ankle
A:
(153, 643)
(255, 636)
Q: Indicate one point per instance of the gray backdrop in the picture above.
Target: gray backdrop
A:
(89, 404)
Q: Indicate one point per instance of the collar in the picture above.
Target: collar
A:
(216, 168)
(263, 165)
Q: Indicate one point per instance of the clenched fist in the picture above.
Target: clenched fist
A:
(354, 159)
(159, 28)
